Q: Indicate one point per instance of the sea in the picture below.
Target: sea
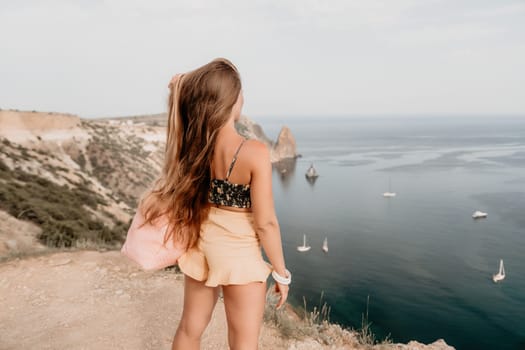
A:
(416, 266)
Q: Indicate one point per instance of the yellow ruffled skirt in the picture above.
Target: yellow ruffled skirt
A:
(228, 251)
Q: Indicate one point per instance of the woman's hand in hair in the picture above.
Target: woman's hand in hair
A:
(283, 290)
(174, 80)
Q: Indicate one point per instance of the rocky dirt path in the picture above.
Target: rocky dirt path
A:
(97, 300)
(80, 300)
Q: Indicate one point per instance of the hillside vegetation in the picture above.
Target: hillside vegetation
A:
(79, 180)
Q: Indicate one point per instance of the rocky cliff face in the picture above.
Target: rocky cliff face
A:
(37, 126)
(112, 161)
(251, 130)
(283, 148)
(77, 180)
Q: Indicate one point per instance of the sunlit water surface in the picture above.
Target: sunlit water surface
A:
(424, 262)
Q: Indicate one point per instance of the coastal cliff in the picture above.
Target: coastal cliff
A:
(111, 161)
(22, 126)
(68, 189)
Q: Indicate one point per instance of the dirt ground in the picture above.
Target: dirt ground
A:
(97, 300)
(88, 299)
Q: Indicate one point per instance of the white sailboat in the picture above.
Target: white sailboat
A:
(389, 193)
(479, 214)
(501, 273)
(304, 247)
(325, 245)
(311, 173)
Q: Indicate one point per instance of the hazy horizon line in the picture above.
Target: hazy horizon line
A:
(306, 115)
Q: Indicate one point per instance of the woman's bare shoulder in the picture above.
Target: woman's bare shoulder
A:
(256, 148)
(257, 155)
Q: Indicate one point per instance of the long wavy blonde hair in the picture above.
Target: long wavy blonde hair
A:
(199, 105)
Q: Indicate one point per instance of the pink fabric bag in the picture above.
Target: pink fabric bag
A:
(144, 245)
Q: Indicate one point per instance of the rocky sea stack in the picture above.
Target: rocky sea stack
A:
(282, 149)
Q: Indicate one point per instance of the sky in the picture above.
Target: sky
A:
(99, 58)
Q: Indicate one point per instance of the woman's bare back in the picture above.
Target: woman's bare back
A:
(226, 147)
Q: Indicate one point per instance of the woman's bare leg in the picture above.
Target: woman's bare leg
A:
(244, 306)
(199, 302)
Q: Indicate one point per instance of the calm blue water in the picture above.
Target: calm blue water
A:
(423, 261)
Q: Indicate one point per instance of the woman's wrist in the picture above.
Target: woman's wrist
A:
(284, 279)
(280, 269)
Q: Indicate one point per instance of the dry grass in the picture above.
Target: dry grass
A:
(315, 324)
(305, 323)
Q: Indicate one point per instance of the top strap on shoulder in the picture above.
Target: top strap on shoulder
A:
(234, 159)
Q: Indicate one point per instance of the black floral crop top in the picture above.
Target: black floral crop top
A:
(224, 192)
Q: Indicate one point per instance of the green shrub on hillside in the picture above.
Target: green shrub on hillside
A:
(241, 129)
(81, 161)
(3, 167)
(61, 212)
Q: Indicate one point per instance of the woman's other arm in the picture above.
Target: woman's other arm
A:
(265, 219)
